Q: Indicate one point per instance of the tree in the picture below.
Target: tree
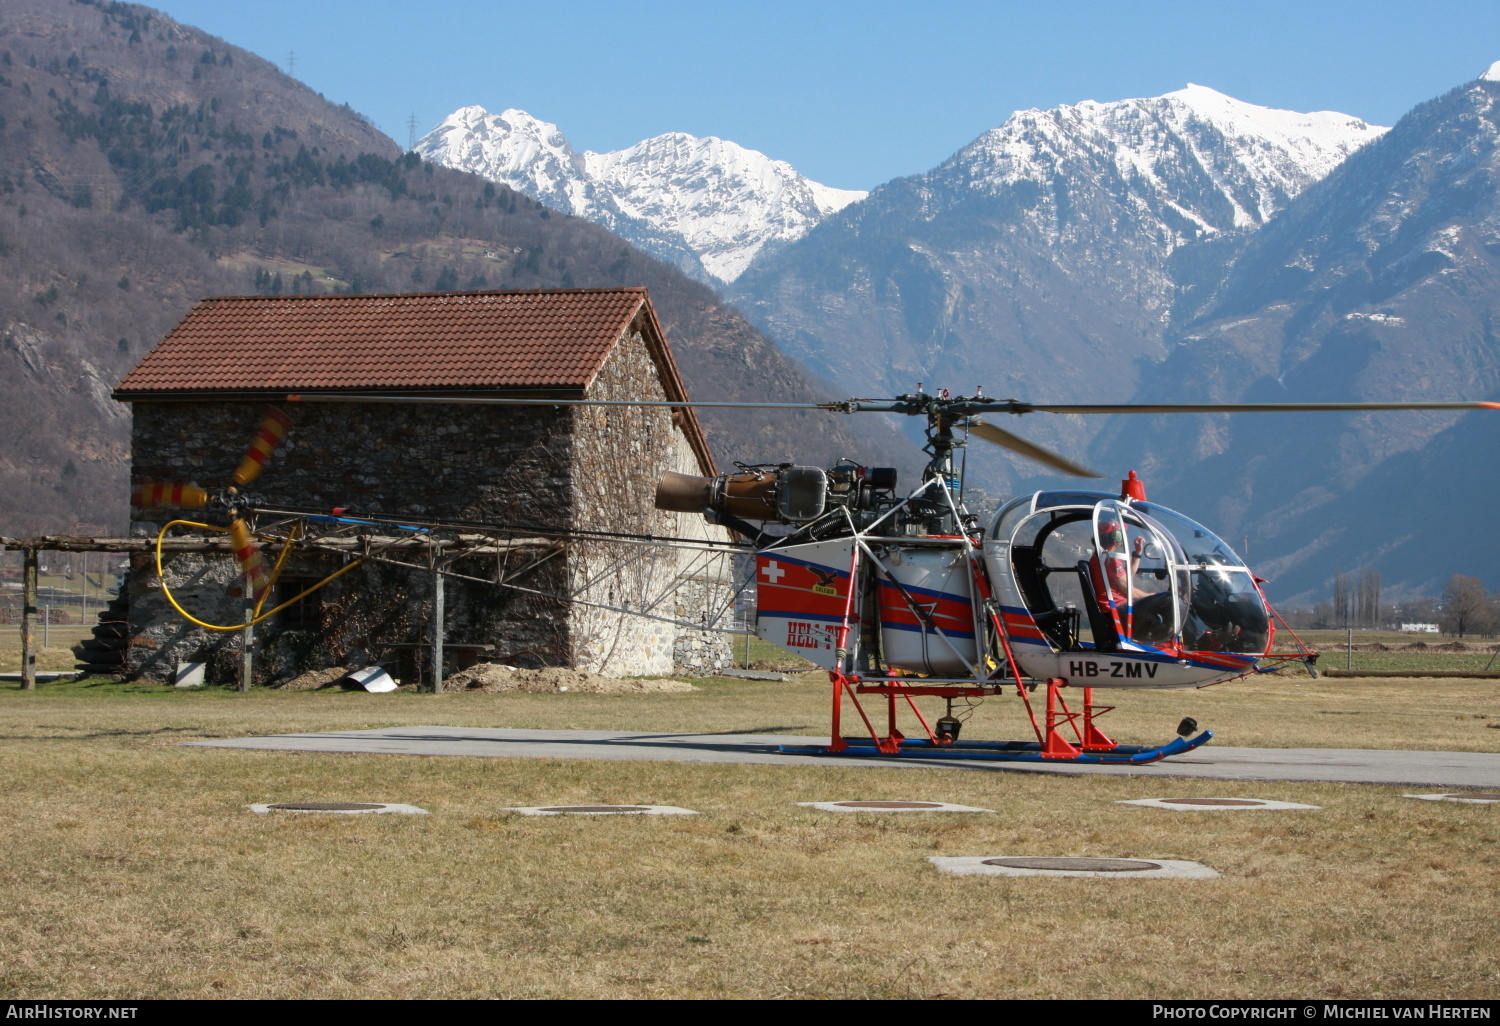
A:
(1367, 598)
(1464, 606)
(1341, 599)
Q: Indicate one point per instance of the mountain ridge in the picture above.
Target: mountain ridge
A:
(1037, 260)
(706, 204)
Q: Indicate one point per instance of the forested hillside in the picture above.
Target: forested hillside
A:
(145, 164)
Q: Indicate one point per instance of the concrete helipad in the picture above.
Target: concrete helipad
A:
(1441, 769)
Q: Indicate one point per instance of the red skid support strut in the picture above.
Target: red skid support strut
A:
(836, 675)
(1094, 739)
(1055, 746)
(1090, 737)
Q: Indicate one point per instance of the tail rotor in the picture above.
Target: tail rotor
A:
(268, 436)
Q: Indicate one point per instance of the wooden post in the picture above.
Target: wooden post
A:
(28, 619)
(247, 641)
(437, 632)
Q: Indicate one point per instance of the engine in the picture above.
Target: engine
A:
(781, 492)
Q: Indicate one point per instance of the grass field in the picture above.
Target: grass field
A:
(132, 869)
(1333, 646)
(58, 654)
(766, 656)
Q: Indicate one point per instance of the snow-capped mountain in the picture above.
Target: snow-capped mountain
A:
(704, 202)
(1043, 258)
(1201, 161)
(1382, 283)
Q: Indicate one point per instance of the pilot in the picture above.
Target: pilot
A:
(1117, 593)
(1116, 572)
(1143, 616)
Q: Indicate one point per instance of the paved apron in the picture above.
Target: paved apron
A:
(1215, 762)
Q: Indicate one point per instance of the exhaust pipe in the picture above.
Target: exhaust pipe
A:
(684, 493)
(746, 494)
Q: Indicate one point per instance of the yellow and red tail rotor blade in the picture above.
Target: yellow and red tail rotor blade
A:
(168, 495)
(272, 430)
(247, 553)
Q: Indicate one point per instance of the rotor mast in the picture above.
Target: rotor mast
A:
(942, 412)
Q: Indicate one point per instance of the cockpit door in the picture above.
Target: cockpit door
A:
(1109, 570)
(1132, 576)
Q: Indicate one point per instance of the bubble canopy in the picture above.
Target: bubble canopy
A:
(1100, 573)
(1199, 544)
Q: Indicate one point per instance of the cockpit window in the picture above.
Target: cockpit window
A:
(1010, 514)
(1046, 500)
(1199, 544)
(1226, 613)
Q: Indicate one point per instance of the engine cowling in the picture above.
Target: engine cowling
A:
(786, 493)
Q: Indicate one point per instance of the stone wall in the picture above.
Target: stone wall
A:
(493, 463)
(620, 452)
(593, 468)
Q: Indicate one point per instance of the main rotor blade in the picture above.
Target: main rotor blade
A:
(1249, 407)
(909, 407)
(476, 400)
(1015, 443)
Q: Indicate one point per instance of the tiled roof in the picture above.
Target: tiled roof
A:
(546, 340)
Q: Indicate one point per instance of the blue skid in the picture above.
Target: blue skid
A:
(1010, 751)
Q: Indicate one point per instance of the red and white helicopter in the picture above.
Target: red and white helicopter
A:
(907, 597)
(901, 597)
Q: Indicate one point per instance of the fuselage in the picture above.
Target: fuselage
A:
(1083, 587)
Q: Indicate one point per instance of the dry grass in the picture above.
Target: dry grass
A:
(58, 655)
(132, 869)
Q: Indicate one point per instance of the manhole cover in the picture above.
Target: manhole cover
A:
(595, 808)
(1488, 796)
(326, 806)
(1211, 801)
(890, 805)
(1077, 865)
(1096, 869)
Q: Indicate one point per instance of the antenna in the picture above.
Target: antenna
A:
(291, 63)
(411, 132)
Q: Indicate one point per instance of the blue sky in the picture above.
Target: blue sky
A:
(852, 94)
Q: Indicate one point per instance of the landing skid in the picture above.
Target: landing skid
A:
(1001, 751)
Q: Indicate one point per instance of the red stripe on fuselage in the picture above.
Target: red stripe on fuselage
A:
(788, 587)
(946, 610)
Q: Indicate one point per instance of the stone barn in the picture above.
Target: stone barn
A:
(200, 393)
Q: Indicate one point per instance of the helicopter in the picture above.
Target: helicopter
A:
(901, 596)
